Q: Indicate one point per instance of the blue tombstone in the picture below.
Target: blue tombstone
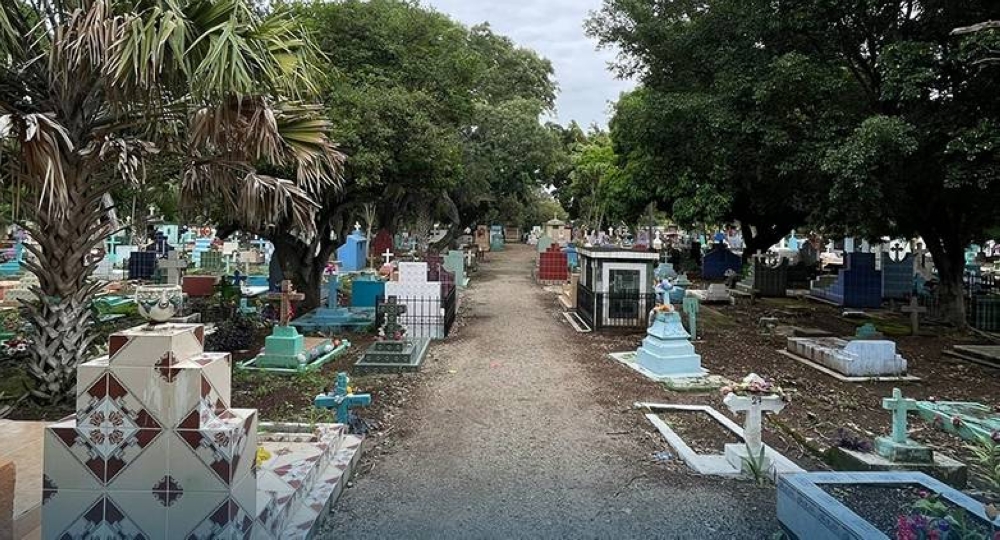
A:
(12, 266)
(342, 400)
(717, 261)
(141, 265)
(572, 257)
(353, 255)
(858, 284)
(365, 292)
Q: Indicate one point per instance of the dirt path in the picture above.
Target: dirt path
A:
(506, 438)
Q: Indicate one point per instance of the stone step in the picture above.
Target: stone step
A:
(315, 505)
(288, 480)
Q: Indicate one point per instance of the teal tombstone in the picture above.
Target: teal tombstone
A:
(454, 262)
(497, 238)
(899, 447)
(666, 351)
(342, 400)
(691, 307)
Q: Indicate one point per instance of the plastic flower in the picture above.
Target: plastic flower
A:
(956, 421)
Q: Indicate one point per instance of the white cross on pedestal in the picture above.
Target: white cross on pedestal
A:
(753, 406)
(914, 309)
(174, 264)
(387, 256)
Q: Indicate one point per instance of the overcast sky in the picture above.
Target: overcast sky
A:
(554, 28)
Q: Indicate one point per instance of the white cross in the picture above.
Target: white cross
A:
(753, 406)
(387, 256)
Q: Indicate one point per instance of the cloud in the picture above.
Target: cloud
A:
(553, 28)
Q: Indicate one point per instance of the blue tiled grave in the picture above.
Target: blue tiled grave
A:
(858, 284)
(807, 512)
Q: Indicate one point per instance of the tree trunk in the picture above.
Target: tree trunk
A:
(949, 260)
(61, 317)
(303, 268)
(762, 241)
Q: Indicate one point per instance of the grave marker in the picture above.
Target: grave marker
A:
(914, 309)
(174, 264)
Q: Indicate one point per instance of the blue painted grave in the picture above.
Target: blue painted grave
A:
(572, 257)
(496, 238)
(858, 284)
(141, 265)
(365, 291)
(353, 255)
(716, 262)
(667, 351)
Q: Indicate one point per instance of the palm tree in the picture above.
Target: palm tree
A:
(90, 90)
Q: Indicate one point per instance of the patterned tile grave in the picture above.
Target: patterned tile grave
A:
(553, 267)
(156, 451)
(286, 351)
(899, 452)
(808, 511)
(969, 420)
(713, 464)
(395, 350)
(21, 446)
(857, 360)
(858, 284)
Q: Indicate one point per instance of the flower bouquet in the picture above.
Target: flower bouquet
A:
(754, 385)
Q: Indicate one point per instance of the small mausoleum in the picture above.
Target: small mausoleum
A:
(615, 287)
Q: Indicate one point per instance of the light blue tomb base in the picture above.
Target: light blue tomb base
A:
(332, 317)
(667, 351)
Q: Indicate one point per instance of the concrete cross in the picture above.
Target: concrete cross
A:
(112, 242)
(914, 309)
(899, 407)
(342, 399)
(753, 406)
(174, 264)
(387, 256)
(392, 309)
(287, 296)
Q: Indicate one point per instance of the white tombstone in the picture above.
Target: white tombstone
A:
(229, 248)
(753, 406)
(424, 317)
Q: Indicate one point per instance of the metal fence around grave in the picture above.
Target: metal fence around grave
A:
(614, 310)
(425, 317)
(982, 311)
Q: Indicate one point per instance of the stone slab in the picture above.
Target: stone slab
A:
(944, 468)
(845, 378)
(806, 512)
(713, 464)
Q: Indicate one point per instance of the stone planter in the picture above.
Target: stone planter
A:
(199, 286)
(158, 303)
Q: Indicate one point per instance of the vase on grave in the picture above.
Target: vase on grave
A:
(159, 303)
(667, 351)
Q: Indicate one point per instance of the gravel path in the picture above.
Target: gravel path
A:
(505, 438)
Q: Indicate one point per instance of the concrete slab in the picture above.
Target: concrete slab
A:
(678, 383)
(711, 464)
(944, 468)
(845, 378)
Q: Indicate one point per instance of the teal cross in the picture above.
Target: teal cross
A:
(899, 407)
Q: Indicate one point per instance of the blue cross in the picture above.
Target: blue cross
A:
(341, 400)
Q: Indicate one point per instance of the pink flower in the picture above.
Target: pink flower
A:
(956, 421)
